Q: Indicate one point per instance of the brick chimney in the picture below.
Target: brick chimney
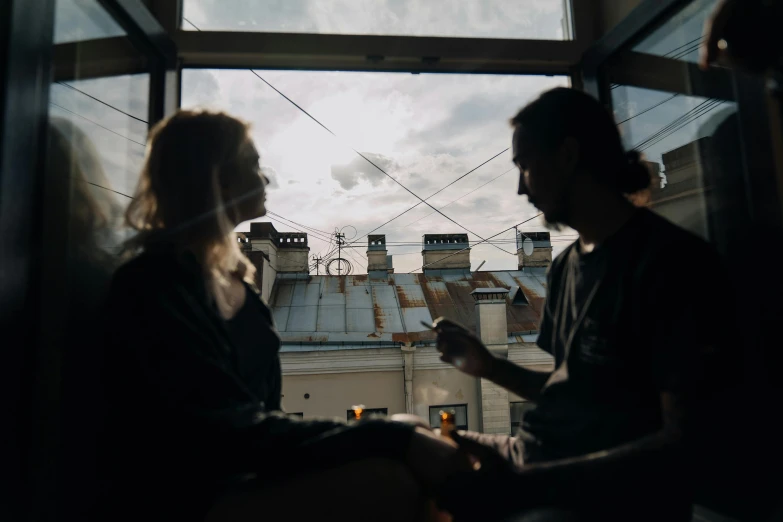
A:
(445, 252)
(542, 250)
(492, 329)
(377, 254)
(287, 251)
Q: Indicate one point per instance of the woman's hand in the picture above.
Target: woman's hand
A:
(462, 349)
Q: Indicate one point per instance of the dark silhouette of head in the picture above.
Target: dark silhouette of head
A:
(566, 141)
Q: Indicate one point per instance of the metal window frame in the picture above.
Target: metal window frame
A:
(646, 16)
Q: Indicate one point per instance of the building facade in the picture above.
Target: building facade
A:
(359, 339)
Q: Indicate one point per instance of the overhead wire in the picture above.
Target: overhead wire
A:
(432, 195)
(102, 102)
(464, 195)
(98, 124)
(356, 151)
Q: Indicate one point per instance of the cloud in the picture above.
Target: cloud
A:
(350, 174)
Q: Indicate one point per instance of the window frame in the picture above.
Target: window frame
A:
(441, 406)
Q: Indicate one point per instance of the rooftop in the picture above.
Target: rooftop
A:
(358, 310)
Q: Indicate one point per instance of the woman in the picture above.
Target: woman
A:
(194, 374)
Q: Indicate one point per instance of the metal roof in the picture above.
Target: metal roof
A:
(359, 310)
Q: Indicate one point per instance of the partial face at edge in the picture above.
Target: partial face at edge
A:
(245, 187)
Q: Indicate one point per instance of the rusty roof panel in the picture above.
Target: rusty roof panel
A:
(283, 294)
(331, 319)
(360, 320)
(437, 297)
(463, 309)
(410, 296)
(302, 319)
(391, 308)
(387, 312)
(280, 315)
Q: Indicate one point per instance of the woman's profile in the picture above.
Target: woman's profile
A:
(193, 375)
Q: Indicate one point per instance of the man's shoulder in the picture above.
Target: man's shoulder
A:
(673, 252)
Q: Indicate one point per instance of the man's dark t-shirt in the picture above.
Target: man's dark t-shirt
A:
(635, 317)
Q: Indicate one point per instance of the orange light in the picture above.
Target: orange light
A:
(357, 411)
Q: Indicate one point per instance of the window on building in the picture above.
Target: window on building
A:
(517, 412)
(367, 412)
(460, 415)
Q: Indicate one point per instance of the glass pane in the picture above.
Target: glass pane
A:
(680, 36)
(533, 19)
(80, 20)
(689, 140)
(96, 134)
(424, 130)
(104, 123)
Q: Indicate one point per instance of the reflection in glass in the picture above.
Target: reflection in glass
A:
(110, 113)
(81, 20)
(533, 19)
(676, 135)
(680, 37)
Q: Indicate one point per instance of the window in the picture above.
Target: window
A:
(367, 412)
(460, 415)
(517, 413)
(680, 37)
(542, 20)
(424, 130)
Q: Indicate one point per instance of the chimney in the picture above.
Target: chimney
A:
(287, 251)
(377, 255)
(445, 252)
(492, 329)
(542, 250)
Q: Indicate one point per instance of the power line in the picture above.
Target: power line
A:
(673, 51)
(98, 124)
(482, 241)
(693, 118)
(677, 124)
(104, 188)
(297, 229)
(356, 151)
(672, 124)
(464, 195)
(432, 195)
(303, 226)
(103, 102)
(648, 109)
(323, 237)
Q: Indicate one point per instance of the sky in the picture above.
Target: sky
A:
(423, 130)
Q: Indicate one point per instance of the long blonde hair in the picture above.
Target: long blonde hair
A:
(179, 198)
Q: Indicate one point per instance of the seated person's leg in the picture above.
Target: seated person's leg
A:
(372, 489)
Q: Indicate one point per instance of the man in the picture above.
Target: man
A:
(632, 319)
